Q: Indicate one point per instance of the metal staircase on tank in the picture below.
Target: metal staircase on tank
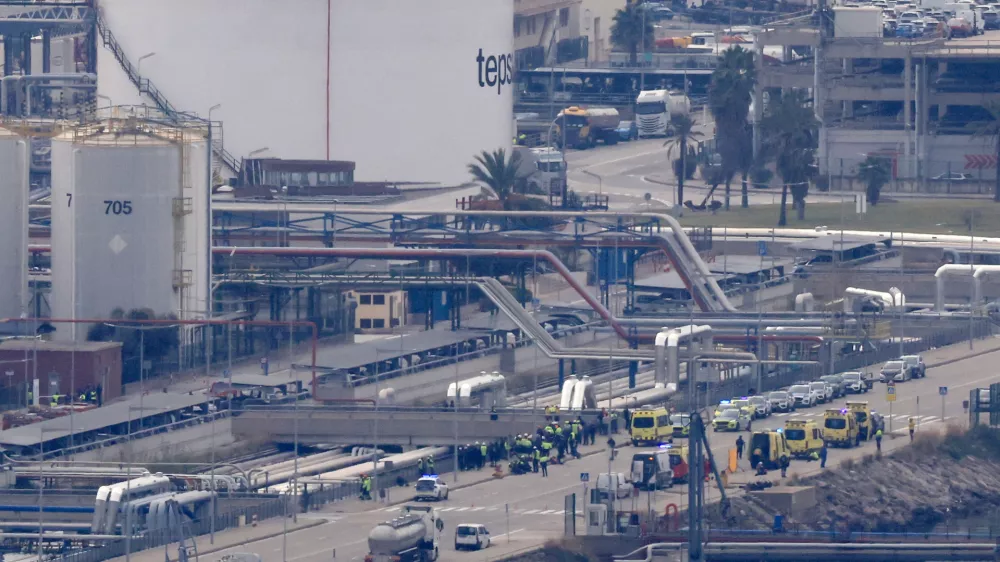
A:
(222, 156)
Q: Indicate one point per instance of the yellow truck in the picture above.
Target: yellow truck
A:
(582, 127)
(863, 415)
(803, 437)
(651, 426)
(840, 428)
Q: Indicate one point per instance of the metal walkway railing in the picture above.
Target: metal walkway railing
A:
(146, 87)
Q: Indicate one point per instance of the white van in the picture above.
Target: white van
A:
(614, 485)
(471, 535)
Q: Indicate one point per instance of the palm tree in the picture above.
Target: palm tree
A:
(991, 131)
(684, 140)
(500, 174)
(630, 28)
(790, 132)
(875, 171)
(729, 94)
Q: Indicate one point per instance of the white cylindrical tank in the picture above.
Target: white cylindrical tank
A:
(409, 90)
(397, 535)
(15, 158)
(129, 221)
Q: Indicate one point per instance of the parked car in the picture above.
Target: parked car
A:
(781, 401)
(916, 366)
(803, 395)
(823, 391)
(895, 371)
(856, 382)
(838, 384)
(762, 406)
(627, 130)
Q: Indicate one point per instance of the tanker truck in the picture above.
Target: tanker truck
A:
(583, 127)
(412, 537)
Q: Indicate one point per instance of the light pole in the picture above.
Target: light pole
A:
(138, 64)
(142, 355)
(41, 484)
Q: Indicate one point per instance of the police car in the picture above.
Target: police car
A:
(431, 488)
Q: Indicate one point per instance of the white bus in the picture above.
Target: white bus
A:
(653, 109)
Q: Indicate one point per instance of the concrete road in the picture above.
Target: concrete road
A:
(535, 504)
(627, 171)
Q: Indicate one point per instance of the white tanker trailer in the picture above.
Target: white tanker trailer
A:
(411, 537)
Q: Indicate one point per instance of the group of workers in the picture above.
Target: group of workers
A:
(89, 395)
(474, 456)
(549, 444)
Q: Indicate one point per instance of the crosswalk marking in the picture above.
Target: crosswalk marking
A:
(453, 508)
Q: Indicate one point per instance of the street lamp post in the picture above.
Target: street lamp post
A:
(138, 66)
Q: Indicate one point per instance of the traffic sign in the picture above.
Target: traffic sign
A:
(761, 248)
(584, 477)
(890, 394)
(943, 390)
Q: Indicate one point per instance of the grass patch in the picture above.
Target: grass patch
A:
(937, 216)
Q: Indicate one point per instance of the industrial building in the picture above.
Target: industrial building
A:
(47, 368)
(414, 75)
(918, 102)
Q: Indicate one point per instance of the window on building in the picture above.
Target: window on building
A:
(312, 178)
(366, 299)
(366, 323)
(379, 323)
(563, 17)
(529, 25)
(378, 299)
(324, 178)
(517, 26)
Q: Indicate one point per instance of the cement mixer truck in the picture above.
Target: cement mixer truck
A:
(412, 537)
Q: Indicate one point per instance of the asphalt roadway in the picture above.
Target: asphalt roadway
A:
(531, 507)
(627, 171)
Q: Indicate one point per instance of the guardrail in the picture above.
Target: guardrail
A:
(112, 441)
(359, 380)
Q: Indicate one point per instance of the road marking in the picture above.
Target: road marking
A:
(446, 509)
(461, 509)
(477, 509)
(547, 512)
(623, 158)
(529, 512)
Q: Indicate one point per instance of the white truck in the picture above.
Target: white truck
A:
(654, 108)
(544, 168)
(414, 536)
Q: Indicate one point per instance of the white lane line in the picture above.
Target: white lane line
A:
(461, 509)
(477, 509)
(529, 512)
(447, 509)
(548, 512)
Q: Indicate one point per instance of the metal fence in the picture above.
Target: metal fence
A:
(239, 517)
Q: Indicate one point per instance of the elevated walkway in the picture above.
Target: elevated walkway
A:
(395, 426)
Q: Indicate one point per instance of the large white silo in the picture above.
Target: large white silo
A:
(130, 216)
(15, 159)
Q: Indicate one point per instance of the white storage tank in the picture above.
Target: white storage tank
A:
(130, 214)
(14, 164)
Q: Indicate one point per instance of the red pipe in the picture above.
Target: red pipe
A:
(436, 253)
(210, 322)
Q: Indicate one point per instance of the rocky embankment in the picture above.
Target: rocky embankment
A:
(943, 479)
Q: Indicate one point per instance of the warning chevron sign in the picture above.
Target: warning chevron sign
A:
(980, 161)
